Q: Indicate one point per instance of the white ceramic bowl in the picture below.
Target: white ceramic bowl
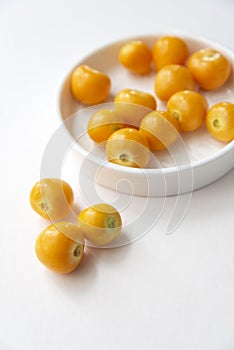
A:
(195, 161)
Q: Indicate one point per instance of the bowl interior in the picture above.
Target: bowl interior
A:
(197, 146)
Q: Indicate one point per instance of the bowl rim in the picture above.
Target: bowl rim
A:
(148, 171)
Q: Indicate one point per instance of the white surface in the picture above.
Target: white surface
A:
(163, 291)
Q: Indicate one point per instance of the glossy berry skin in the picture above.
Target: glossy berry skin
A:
(134, 104)
(210, 68)
(89, 85)
(128, 147)
(60, 247)
(136, 56)
(100, 223)
(189, 108)
(103, 123)
(160, 129)
(171, 79)
(169, 50)
(220, 121)
(51, 198)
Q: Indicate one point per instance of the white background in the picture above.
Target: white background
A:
(163, 291)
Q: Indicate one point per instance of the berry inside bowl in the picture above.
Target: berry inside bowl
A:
(195, 160)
